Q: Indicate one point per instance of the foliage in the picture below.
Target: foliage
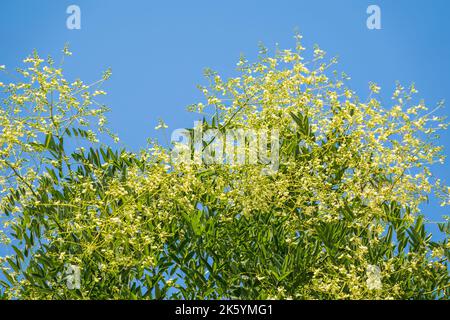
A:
(339, 219)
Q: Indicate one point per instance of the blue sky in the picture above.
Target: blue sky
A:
(157, 50)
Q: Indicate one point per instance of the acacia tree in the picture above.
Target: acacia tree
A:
(340, 217)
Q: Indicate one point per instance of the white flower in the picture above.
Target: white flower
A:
(161, 125)
(115, 220)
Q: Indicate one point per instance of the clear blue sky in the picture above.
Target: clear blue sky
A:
(158, 49)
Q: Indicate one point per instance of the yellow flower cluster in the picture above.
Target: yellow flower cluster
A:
(340, 218)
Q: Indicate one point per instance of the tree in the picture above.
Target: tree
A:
(338, 218)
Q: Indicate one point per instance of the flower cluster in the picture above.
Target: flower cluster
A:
(340, 218)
